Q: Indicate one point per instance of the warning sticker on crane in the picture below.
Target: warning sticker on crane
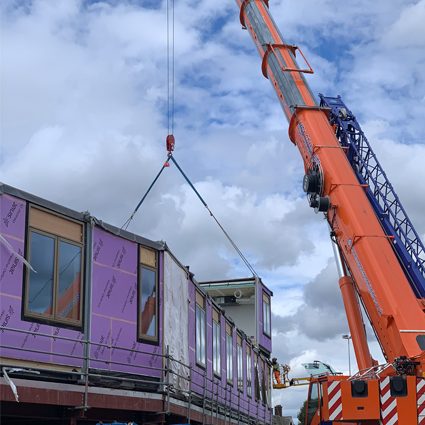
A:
(389, 412)
(420, 396)
(335, 401)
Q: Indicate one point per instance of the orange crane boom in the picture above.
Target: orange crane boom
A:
(366, 249)
(374, 270)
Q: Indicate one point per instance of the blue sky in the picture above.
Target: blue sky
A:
(83, 105)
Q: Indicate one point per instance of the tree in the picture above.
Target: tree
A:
(301, 413)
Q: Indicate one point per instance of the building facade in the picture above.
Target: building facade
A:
(99, 324)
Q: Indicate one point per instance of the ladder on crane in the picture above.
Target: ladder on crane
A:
(382, 196)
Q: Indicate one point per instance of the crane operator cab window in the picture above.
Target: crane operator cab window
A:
(313, 405)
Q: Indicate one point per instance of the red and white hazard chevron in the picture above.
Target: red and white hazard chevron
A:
(420, 397)
(389, 415)
(335, 401)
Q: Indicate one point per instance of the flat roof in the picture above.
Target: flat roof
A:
(81, 216)
(88, 218)
(246, 282)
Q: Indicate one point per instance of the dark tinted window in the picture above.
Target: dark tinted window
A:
(54, 291)
(313, 402)
(216, 348)
(67, 304)
(40, 293)
(200, 336)
(148, 302)
(229, 356)
(420, 339)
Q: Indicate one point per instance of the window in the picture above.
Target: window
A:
(240, 362)
(216, 334)
(200, 329)
(263, 381)
(313, 402)
(267, 385)
(148, 295)
(55, 251)
(229, 353)
(266, 315)
(248, 372)
(257, 379)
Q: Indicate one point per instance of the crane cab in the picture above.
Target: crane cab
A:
(390, 399)
(334, 399)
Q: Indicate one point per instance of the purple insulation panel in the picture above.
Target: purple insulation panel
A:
(114, 334)
(264, 340)
(244, 398)
(251, 399)
(209, 351)
(235, 369)
(201, 376)
(195, 381)
(24, 339)
(260, 321)
(198, 380)
(222, 388)
(192, 342)
(226, 394)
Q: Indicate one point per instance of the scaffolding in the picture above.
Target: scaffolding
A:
(180, 393)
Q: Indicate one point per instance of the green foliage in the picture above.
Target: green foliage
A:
(301, 413)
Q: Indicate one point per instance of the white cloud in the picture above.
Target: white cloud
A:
(83, 113)
(408, 32)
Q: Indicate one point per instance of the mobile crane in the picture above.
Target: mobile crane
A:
(380, 257)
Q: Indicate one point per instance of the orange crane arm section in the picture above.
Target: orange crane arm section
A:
(380, 281)
(290, 86)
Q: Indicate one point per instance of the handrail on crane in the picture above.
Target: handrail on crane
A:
(322, 369)
(273, 48)
(285, 381)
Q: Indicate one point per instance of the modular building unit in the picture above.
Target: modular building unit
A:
(101, 323)
(243, 299)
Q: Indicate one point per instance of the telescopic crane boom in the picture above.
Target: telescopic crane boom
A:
(381, 258)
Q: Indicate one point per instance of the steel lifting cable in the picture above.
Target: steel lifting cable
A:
(170, 141)
(170, 102)
(244, 259)
(172, 76)
(170, 65)
(232, 242)
(127, 223)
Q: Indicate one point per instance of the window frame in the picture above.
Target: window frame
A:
(267, 327)
(312, 403)
(263, 385)
(202, 308)
(239, 357)
(229, 355)
(30, 228)
(147, 339)
(216, 324)
(248, 371)
(267, 374)
(257, 379)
